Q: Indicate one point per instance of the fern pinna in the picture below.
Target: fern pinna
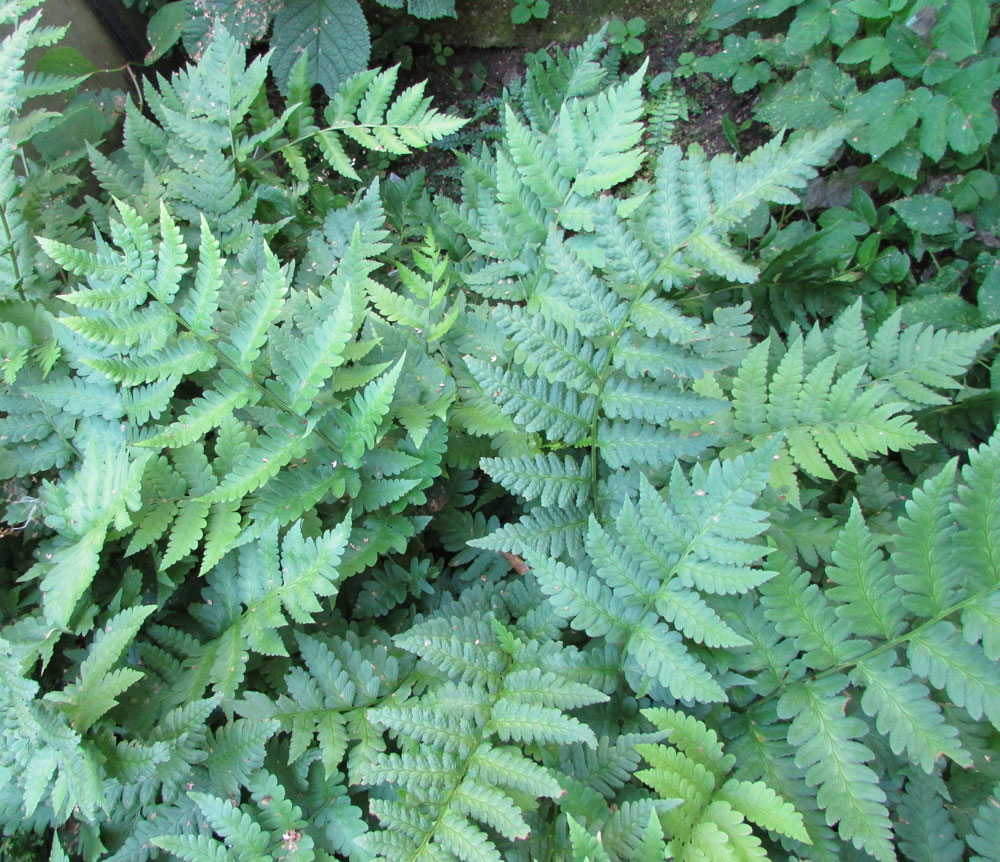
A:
(370, 524)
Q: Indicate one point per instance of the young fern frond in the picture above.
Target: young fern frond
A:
(714, 809)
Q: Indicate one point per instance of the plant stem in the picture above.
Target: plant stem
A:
(13, 254)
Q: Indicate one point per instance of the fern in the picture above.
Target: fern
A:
(667, 106)
(330, 698)
(715, 810)
(173, 345)
(893, 610)
(604, 398)
(270, 823)
(644, 587)
(458, 774)
(266, 599)
(348, 522)
(19, 271)
(47, 763)
(186, 411)
(838, 396)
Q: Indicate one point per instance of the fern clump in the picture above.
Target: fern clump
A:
(352, 520)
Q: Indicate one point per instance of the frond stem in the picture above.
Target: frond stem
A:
(18, 285)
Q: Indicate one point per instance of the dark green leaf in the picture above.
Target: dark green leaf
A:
(963, 29)
(927, 214)
(333, 32)
(165, 29)
(65, 61)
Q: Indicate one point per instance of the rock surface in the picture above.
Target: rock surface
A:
(485, 24)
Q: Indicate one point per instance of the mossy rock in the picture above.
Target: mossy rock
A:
(484, 24)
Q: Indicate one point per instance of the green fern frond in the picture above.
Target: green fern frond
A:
(987, 828)
(82, 509)
(98, 686)
(828, 419)
(538, 406)
(270, 822)
(696, 202)
(329, 700)
(649, 570)
(361, 111)
(552, 531)
(827, 747)
(918, 360)
(269, 592)
(553, 481)
(714, 809)
(597, 147)
(925, 831)
(457, 774)
(553, 78)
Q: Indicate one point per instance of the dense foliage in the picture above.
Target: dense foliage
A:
(617, 505)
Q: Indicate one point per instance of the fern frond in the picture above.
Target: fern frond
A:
(98, 686)
(268, 592)
(361, 111)
(590, 306)
(546, 349)
(535, 405)
(862, 582)
(696, 202)
(951, 664)
(918, 360)
(92, 500)
(598, 140)
(627, 399)
(828, 420)
(905, 713)
(249, 335)
(206, 412)
(284, 441)
(355, 433)
(315, 359)
(987, 829)
(633, 443)
(466, 776)
(183, 355)
(554, 481)
(694, 770)
(552, 531)
(925, 831)
(827, 747)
